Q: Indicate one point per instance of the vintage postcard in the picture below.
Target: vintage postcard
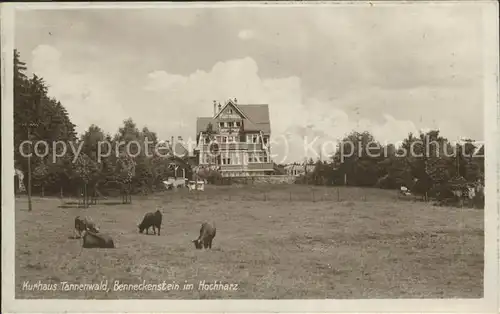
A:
(250, 157)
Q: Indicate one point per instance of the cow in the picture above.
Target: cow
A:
(151, 220)
(97, 240)
(207, 234)
(85, 224)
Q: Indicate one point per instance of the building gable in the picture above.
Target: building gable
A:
(230, 110)
(255, 117)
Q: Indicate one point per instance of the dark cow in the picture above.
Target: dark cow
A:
(97, 240)
(207, 234)
(85, 224)
(151, 220)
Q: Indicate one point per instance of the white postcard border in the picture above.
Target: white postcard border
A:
(489, 303)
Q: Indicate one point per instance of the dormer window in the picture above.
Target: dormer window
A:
(230, 111)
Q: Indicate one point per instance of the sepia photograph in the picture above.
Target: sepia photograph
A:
(251, 152)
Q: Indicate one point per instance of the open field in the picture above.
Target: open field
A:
(275, 242)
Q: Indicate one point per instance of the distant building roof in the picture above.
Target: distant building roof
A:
(178, 149)
(457, 180)
(480, 152)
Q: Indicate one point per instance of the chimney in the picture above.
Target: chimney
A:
(220, 107)
(215, 108)
(235, 100)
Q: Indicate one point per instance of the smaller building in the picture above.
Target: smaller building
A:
(297, 169)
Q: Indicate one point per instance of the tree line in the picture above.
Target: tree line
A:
(39, 117)
(426, 162)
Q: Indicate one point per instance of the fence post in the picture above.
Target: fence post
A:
(338, 194)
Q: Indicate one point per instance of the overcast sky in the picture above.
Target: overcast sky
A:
(323, 70)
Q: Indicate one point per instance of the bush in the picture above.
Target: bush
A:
(214, 177)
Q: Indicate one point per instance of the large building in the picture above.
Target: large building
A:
(235, 140)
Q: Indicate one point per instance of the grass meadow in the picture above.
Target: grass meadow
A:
(274, 242)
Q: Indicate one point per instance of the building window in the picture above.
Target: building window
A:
(266, 140)
(230, 111)
(260, 157)
(226, 158)
(255, 158)
(230, 124)
(252, 138)
(237, 123)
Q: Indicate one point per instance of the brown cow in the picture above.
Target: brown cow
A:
(97, 240)
(207, 234)
(151, 220)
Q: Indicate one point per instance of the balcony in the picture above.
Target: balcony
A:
(234, 130)
(250, 166)
(254, 147)
(232, 167)
(234, 146)
(260, 166)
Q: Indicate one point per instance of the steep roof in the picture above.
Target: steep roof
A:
(202, 123)
(178, 150)
(457, 181)
(480, 152)
(258, 115)
(258, 119)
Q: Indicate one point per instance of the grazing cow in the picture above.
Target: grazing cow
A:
(207, 234)
(97, 240)
(151, 220)
(85, 224)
